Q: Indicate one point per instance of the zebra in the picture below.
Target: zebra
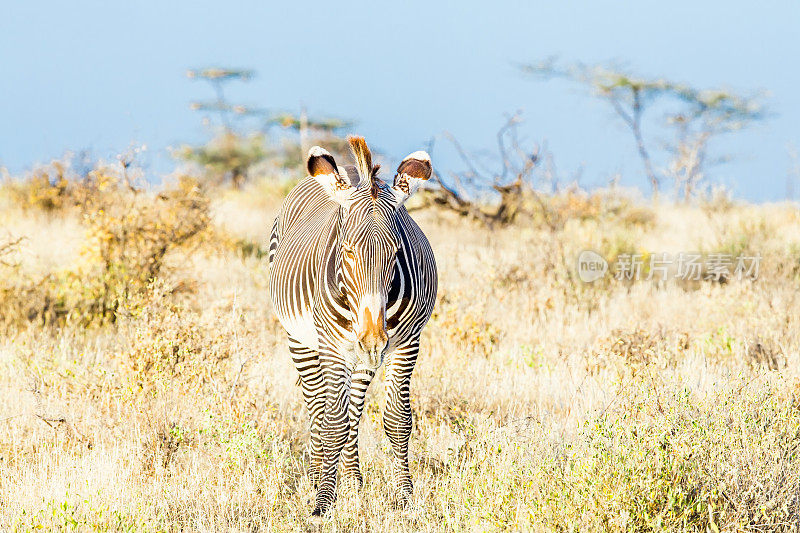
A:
(353, 281)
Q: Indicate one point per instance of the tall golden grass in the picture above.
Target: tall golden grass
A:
(540, 402)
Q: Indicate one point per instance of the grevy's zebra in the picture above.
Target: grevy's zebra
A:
(353, 280)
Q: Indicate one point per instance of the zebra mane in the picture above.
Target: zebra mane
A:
(363, 158)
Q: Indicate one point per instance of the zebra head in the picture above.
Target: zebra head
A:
(369, 237)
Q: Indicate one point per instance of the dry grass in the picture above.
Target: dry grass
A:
(539, 402)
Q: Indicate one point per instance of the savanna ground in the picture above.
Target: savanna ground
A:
(145, 384)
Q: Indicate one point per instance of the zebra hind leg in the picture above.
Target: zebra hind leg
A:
(351, 470)
(313, 388)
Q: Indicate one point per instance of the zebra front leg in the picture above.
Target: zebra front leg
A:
(334, 433)
(397, 416)
(313, 388)
(351, 470)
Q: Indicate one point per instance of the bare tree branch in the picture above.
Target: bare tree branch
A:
(466, 192)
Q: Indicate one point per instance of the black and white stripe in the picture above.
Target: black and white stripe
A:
(353, 281)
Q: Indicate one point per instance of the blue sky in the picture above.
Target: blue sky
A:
(101, 75)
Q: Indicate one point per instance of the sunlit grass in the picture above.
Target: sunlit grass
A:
(539, 402)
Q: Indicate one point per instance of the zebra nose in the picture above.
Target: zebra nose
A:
(373, 340)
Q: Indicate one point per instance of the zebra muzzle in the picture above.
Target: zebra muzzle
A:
(372, 339)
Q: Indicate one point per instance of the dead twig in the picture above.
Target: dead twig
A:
(60, 419)
(236, 380)
(7, 249)
(51, 418)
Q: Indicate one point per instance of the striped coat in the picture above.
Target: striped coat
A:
(353, 281)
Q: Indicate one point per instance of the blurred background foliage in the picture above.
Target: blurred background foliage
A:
(242, 136)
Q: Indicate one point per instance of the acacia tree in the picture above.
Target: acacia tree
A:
(698, 115)
(323, 131)
(217, 78)
(230, 154)
(703, 116)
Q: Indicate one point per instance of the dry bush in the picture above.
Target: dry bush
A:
(634, 350)
(48, 188)
(56, 187)
(129, 233)
(605, 205)
(765, 353)
(169, 345)
(748, 235)
(466, 329)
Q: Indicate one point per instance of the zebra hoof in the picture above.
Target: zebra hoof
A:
(317, 516)
(403, 500)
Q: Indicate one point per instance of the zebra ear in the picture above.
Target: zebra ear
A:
(322, 167)
(412, 171)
